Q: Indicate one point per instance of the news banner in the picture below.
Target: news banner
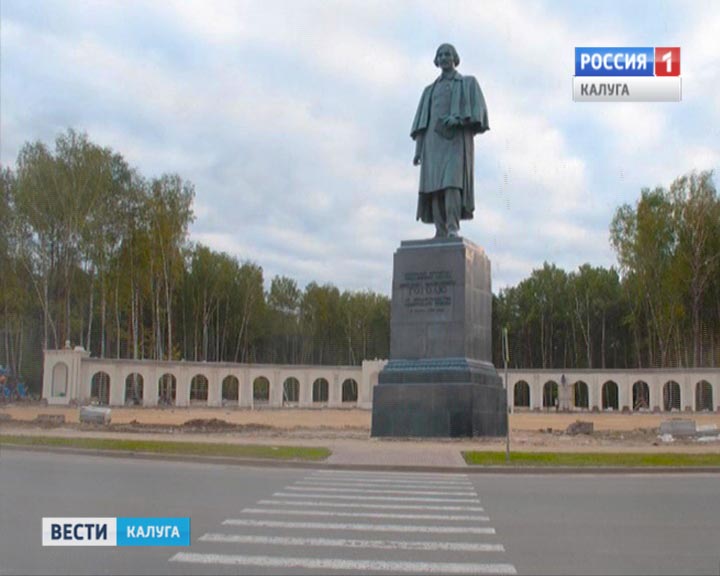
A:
(615, 74)
(116, 531)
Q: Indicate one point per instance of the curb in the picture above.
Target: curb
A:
(269, 463)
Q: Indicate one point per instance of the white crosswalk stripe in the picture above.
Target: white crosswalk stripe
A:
(449, 517)
(354, 543)
(390, 498)
(440, 510)
(318, 504)
(343, 564)
(356, 490)
(398, 475)
(326, 480)
(388, 485)
(360, 527)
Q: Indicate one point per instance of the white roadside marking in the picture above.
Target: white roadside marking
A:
(367, 514)
(392, 498)
(380, 491)
(315, 503)
(359, 527)
(351, 543)
(342, 564)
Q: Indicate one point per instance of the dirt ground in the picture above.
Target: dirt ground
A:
(348, 418)
(536, 431)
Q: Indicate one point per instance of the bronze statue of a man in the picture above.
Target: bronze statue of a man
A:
(451, 111)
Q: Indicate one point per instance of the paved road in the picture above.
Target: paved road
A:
(249, 520)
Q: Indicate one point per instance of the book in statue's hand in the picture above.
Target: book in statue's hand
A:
(447, 132)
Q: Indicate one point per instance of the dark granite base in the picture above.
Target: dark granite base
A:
(439, 370)
(431, 398)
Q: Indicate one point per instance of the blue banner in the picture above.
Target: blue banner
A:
(153, 531)
(606, 61)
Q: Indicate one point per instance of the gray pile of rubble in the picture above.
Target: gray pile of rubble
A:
(687, 430)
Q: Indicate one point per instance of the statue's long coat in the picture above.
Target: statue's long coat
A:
(468, 104)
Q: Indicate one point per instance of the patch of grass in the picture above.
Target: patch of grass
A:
(184, 448)
(589, 459)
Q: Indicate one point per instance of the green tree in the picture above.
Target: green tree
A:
(645, 240)
(284, 301)
(109, 223)
(15, 302)
(249, 311)
(56, 203)
(169, 207)
(696, 217)
(358, 310)
(320, 317)
(596, 297)
(535, 313)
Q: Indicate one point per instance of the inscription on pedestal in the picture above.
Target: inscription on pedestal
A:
(440, 381)
(427, 292)
(441, 301)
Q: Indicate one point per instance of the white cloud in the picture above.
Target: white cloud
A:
(222, 242)
(700, 158)
(536, 162)
(337, 38)
(568, 233)
(218, 21)
(638, 129)
(156, 160)
(292, 120)
(508, 269)
(699, 55)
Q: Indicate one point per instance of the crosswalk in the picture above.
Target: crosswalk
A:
(354, 522)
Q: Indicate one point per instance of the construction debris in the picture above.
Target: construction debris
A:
(580, 427)
(678, 427)
(50, 419)
(95, 415)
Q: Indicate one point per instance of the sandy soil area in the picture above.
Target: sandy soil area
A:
(349, 418)
(282, 419)
(529, 430)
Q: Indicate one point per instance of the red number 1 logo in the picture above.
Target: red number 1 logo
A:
(667, 61)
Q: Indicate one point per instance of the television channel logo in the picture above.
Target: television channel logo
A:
(627, 74)
(115, 531)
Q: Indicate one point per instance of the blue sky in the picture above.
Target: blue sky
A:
(292, 119)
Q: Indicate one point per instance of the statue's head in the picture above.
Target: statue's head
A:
(444, 47)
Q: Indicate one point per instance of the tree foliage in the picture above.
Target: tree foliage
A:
(660, 308)
(668, 249)
(92, 253)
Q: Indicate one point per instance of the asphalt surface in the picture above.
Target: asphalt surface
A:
(275, 520)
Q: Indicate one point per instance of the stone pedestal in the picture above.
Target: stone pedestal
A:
(440, 380)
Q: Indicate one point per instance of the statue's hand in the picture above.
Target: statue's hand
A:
(416, 161)
(452, 121)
